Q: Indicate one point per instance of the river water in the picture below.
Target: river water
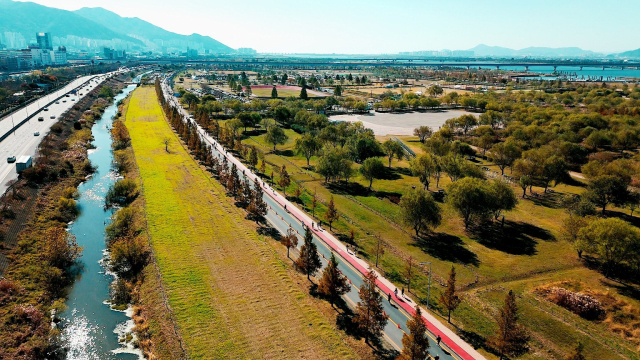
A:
(90, 327)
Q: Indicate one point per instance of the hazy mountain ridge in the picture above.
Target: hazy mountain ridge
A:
(29, 18)
(486, 50)
(141, 29)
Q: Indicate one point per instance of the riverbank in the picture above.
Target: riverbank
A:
(39, 251)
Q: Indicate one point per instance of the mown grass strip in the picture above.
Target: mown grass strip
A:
(230, 296)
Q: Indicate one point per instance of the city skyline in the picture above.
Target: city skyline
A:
(370, 27)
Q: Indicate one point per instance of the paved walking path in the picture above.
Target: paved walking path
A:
(449, 339)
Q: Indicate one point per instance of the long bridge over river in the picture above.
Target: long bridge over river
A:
(366, 62)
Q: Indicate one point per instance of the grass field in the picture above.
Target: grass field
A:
(231, 295)
(283, 92)
(527, 255)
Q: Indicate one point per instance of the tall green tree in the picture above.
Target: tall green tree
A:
(333, 284)
(470, 198)
(393, 149)
(372, 168)
(607, 189)
(307, 145)
(423, 166)
(276, 136)
(370, 315)
(303, 94)
(309, 261)
(419, 210)
(274, 92)
(612, 240)
(415, 343)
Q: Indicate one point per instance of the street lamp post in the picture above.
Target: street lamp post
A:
(429, 286)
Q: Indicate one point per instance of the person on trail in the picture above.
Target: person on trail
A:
(285, 207)
(389, 298)
(402, 291)
(396, 291)
(438, 339)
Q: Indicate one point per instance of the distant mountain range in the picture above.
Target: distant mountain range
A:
(147, 32)
(485, 50)
(97, 26)
(630, 54)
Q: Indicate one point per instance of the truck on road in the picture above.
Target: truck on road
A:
(23, 163)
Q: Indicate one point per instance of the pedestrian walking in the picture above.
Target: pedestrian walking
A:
(438, 339)
(389, 298)
(396, 291)
(402, 291)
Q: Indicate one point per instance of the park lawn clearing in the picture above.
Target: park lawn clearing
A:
(229, 292)
(544, 258)
(283, 91)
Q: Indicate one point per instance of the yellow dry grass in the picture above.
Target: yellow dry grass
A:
(230, 293)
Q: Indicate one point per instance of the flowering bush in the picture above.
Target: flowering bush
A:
(580, 304)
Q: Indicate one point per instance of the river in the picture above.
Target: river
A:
(89, 325)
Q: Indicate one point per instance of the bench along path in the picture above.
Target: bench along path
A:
(354, 268)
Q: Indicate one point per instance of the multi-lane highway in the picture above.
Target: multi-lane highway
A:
(399, 309)
(23, 140)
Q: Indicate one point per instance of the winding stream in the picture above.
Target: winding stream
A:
(90, 328)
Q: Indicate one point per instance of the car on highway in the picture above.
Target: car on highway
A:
(64, 101)
(57, 102)
(46, 109)
(52, 116)
(11, 159)
(73, 99)
(41, 118)
(36, 133)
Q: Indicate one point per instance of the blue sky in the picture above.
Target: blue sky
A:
(389, 26)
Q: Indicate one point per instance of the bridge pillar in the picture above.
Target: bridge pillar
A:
(580, 68)
(497, 67)
(554, 68)
(468, 67)
(526, 68)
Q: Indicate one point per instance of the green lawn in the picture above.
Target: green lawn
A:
(526, 254)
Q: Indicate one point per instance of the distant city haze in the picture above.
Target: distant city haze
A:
(376, 26)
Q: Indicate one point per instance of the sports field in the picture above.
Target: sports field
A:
(283, 91)
(231, 296)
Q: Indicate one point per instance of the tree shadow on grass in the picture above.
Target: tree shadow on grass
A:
(402, 171)
(516, 238)
(634, 220)
(390, 174)
(446, 247)
(351, 188)
(476, 340)
(551, 200)
(269, 231)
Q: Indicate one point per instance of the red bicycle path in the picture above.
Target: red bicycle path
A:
(333, 243)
